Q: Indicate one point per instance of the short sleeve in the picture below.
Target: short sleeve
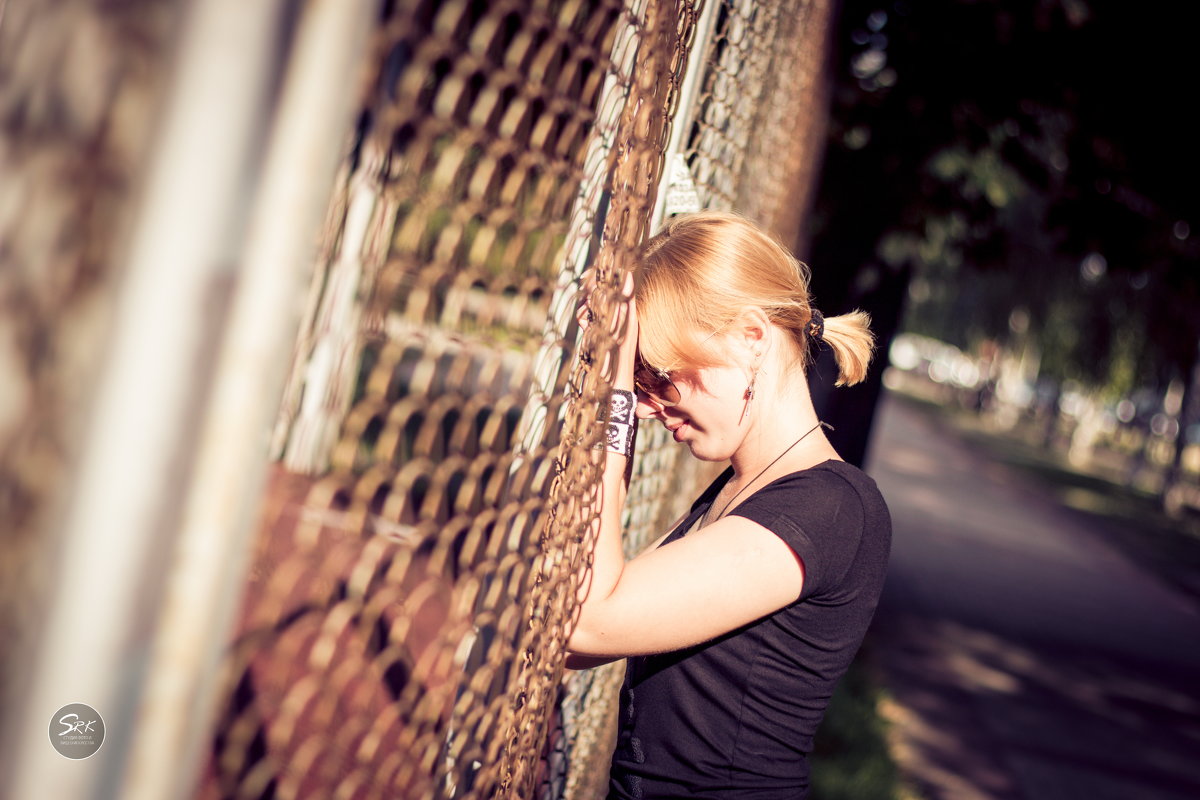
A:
(819, 515)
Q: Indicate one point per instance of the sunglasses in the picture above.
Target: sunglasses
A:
(655, 385)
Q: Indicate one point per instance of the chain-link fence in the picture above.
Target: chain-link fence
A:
(425, 519)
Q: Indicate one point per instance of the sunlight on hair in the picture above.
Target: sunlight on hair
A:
(702, 270)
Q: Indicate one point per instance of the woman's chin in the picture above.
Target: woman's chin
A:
(702, 453)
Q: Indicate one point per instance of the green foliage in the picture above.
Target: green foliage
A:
(982, 173)
(1022, 154)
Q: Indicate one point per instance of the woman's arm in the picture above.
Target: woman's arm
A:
(577, 661)
(608, 556)
(689, 591)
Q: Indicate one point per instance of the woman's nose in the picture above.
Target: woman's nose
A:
(646, 407)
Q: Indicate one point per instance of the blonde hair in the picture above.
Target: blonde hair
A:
(703, 270)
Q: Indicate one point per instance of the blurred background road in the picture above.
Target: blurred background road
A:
(1025, 655)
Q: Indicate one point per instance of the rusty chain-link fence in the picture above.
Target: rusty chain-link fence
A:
(425, 517)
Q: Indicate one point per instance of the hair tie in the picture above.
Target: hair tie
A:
(816, 326)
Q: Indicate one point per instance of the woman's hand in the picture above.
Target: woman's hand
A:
(624, 328)
(628, 338)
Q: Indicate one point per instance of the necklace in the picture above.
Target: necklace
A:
(764, 469)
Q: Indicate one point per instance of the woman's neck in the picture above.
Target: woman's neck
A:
(784, 426)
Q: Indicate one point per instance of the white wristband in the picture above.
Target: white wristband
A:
(619, 422)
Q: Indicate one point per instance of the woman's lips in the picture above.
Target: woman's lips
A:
(677, 430)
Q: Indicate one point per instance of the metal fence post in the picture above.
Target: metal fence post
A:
(144, 471)
(302, 154)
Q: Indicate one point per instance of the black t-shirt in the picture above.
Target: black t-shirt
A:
(735, 717)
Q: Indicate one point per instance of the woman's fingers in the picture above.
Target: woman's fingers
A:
(617, 312)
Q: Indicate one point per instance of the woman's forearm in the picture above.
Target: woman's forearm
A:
(608, 555)
(603, 575)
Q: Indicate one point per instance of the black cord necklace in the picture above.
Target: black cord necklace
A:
(764, 469)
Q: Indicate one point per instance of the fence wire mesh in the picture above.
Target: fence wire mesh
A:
(427, 516)
(417, 569)
(406, 613)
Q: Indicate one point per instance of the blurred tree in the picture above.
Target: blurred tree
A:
(1015, 155)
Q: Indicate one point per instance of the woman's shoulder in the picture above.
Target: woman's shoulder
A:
(830, 471)
(827, 481)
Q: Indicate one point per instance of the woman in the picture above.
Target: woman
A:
(738, 622)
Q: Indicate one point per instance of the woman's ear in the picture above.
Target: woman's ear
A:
(754, 329)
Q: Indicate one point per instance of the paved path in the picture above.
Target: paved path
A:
(1026, 658)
